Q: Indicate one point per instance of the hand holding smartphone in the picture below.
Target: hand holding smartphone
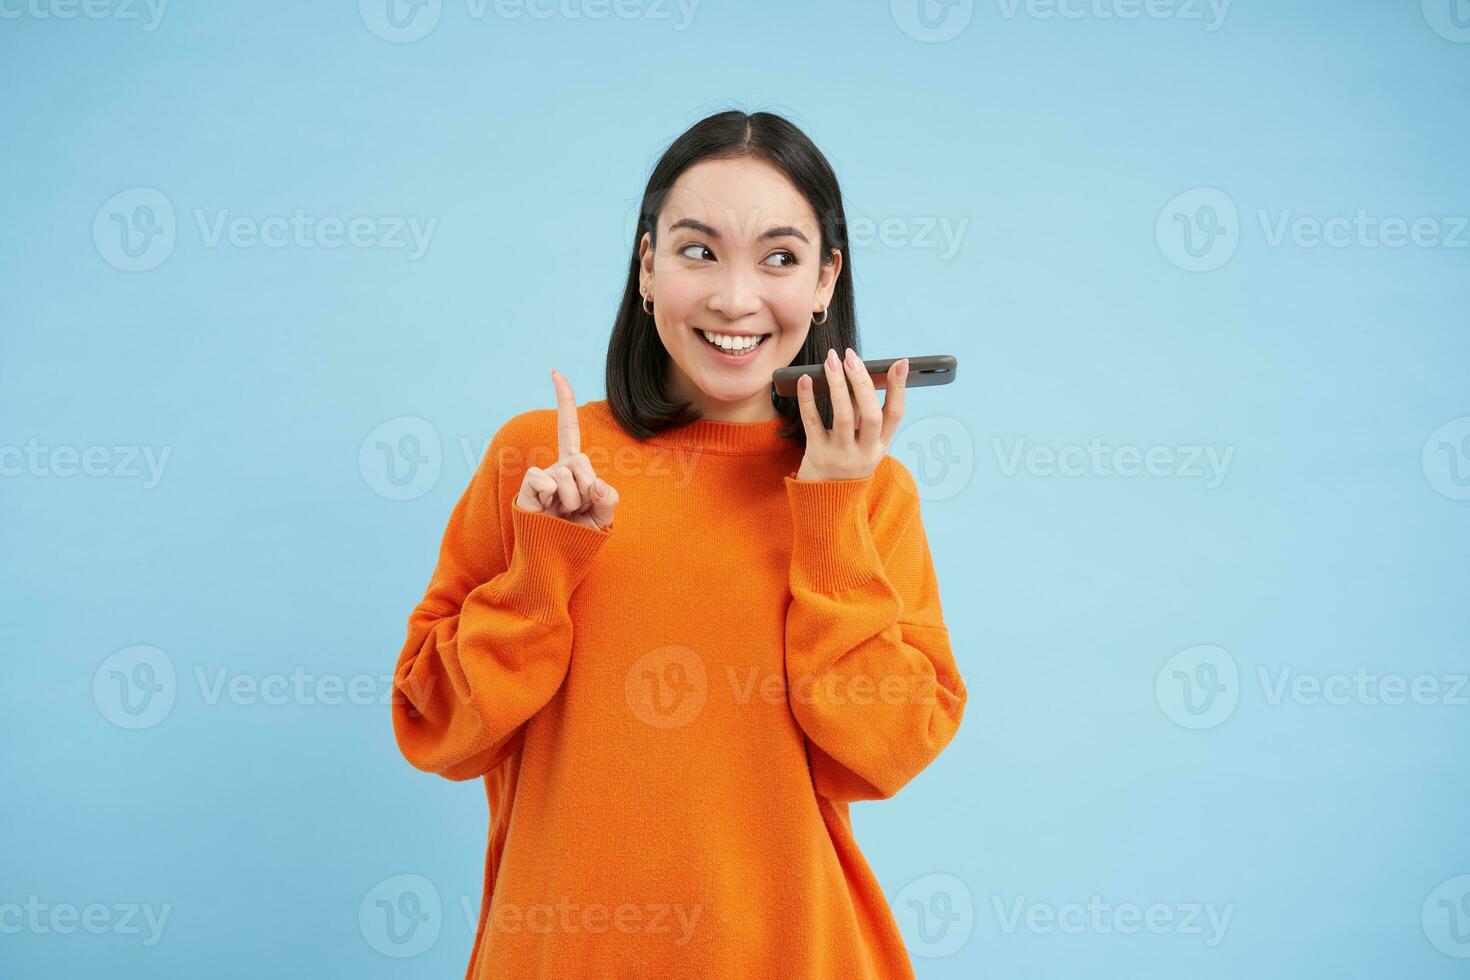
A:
(925, 370)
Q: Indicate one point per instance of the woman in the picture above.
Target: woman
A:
(672, 711)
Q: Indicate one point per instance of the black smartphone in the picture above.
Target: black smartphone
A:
(928, 369)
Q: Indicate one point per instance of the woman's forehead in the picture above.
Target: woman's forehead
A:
(738, 199)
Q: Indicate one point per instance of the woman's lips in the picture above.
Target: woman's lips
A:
(726, 357)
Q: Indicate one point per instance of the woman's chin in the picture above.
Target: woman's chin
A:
(722, 389)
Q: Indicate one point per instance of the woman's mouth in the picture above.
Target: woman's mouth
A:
(732, 347)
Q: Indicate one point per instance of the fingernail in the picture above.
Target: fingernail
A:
(852, 358)
(601, 487)
(903, 369)
(832, 356)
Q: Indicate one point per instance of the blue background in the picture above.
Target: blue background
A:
(1332, 542)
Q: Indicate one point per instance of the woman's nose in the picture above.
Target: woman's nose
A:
(737, 293)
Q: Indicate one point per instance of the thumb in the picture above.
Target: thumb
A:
(604, 502)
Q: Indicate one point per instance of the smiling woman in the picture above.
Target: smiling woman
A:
(640, 746)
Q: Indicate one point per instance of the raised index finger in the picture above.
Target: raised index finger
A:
(568, 434)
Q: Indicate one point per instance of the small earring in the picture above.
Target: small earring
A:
(823, 319)
(647, 305)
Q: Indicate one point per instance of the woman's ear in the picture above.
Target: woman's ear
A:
(827, 278)
(645, 264)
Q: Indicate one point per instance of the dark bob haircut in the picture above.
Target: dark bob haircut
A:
(637, 363)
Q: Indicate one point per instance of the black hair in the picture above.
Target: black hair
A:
(637, 362)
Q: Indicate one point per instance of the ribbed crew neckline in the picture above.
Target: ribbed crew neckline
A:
(707, 435)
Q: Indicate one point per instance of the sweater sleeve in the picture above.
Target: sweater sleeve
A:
(490, 642)
(871, 676)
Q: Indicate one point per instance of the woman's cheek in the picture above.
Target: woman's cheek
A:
(793, 299)
(679, 301)
(794, 315)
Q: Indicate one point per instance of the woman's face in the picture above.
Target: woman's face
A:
(738, 257)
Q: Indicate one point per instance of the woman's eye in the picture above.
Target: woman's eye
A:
(697, 251)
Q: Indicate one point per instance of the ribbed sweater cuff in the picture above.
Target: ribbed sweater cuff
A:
(833, 545)
(549, 558)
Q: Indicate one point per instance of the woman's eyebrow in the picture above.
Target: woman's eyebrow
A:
(781, 231)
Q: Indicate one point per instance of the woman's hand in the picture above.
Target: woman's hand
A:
(860, 434)
(568, 488)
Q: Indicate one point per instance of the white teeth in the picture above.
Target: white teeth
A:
(727, 342)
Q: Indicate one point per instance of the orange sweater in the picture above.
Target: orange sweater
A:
(671, 715)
